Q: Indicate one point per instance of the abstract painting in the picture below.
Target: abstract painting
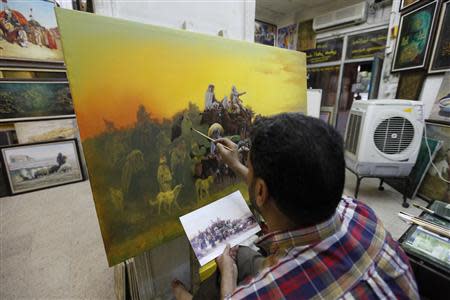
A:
(441, 107)
(137, 115)
(287, 37)
(28, 31)
(414, 38)
(265, 33)
(433, 187)
(37, 166)
(49, 130)
(440, 59)
(34, 100)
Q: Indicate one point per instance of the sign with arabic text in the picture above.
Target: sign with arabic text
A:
(325, 51)
(366, 44)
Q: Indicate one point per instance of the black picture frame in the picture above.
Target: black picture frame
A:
(441, 63)
(7, 175)
(410, 84)
(406, 35)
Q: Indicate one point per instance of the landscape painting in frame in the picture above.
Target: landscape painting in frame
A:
(21, 100)
(48, 130)
(137, 115)
(28, 31)
(37, 166)
(433, 187)
(414, 38)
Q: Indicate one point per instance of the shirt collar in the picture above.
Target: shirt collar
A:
(282, 240)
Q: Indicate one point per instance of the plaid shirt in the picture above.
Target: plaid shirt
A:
(350, 256)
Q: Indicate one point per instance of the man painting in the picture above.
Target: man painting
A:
(320, 244)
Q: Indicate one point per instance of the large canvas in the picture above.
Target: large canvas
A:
(433, 187)
(37, 166)
(28, 31)
(135, 113)
(21, 100)
(441, 107)
(414, 38)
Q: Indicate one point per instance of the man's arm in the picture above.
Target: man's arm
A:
(231, 158)
(228, 272)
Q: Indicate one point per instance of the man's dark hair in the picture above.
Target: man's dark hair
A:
(301, 159)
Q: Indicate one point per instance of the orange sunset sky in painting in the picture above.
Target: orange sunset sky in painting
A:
(115, 65)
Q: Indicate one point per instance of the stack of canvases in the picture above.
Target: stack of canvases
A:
(422, 48)
(38, 129)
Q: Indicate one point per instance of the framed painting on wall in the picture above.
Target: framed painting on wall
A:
(25, 100)
(146, 165)
(33, 167)
(416, 27)
(265, 33)
(306, 36)
(410, 84)
(440, 58)
(29, 31)
(287, 37)
(433, 187)
(440, 112)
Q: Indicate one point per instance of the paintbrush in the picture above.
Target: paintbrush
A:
(425, 224)
(432, 212)
(208, 138)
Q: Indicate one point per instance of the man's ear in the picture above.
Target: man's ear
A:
(261, 192)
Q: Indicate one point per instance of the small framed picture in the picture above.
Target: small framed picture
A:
(326, 114)
(33, 167)
(413, 41)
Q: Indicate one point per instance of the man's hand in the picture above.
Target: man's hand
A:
(231, 158)
(228, 271)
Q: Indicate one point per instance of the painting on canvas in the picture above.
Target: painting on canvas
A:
(441, 107)
(147, 166)
(287, 37)
(42, 131)
(24, 100)
(265, 33)
(28, 31)
(37, 166)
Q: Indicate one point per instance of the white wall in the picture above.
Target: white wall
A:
(235, 18)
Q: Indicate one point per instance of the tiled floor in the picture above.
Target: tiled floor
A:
(51, 247)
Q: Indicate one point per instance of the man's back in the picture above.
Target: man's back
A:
(349, 256)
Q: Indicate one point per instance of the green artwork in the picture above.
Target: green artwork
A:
(22, 100)
(414, 37)
(419, 170)
(433, 187)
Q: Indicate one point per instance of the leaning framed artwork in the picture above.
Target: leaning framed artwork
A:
(29, 31)
(440, 58)
(24, 100)
(139, 119)
(33, 167)
(47, 130)
(433, 187)
(415, 31)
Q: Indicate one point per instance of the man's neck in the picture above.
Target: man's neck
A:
(276, 220)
